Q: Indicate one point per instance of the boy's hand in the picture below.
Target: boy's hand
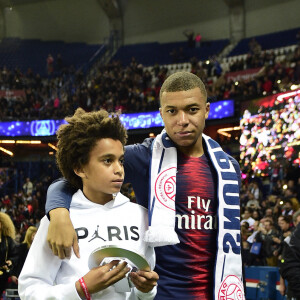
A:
(61, 235)
(102, 277)
(144, 281)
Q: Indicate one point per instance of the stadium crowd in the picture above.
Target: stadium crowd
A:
(134, 88)
(274, 74)
(272, 132)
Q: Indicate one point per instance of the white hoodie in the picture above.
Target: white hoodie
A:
(118, 222)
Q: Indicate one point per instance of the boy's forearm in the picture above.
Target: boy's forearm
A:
(61, 235)
(79, 290)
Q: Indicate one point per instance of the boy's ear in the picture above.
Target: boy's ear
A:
(80, 172)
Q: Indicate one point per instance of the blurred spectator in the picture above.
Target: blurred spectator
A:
(190, 36)
(255, 255)
(22, 251)
(265, 236)
(198, 39)
(291, 195)
(251, 237)
(290, 262)
(256, 215)
(285, 226)
(252, 202)
(56, 103)
(255, 189)
(267, 85)
(269, 214)
(287, 208)
(50, 62)
(245, 233)
(8, 256)
(247, 217)
(285, 231)
(28, 186)
(254, 46)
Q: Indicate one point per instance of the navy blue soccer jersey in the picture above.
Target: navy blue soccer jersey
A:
(186, 269)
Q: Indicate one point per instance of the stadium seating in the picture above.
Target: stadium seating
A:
(24, 54)
(267, 41)
(150, 53)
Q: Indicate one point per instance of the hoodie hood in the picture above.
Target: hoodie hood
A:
(79, 201)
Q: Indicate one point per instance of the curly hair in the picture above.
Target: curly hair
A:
(7, 227)
(182, 81)
(28, 236)
(77, 138)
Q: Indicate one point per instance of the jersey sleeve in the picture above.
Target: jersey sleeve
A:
(136, 165)
(137, 158)
(59, 194)
(37, 279)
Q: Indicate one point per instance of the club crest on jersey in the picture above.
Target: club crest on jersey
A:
(231, 289)
(165, 188)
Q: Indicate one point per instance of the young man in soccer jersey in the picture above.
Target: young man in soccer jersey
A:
(90, 156)
(203, 194)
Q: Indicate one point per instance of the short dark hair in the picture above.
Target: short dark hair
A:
(270, 221)
(249, 209)
(77, 138)
(182, 81)
(287, 219)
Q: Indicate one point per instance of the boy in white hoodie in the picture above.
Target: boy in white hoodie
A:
(90, 155)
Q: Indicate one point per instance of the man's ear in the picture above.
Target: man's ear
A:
(207, 109)
(160, 112)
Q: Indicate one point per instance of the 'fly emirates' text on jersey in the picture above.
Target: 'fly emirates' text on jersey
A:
(186, 269)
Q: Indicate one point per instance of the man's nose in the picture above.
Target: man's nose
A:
(182, 118)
